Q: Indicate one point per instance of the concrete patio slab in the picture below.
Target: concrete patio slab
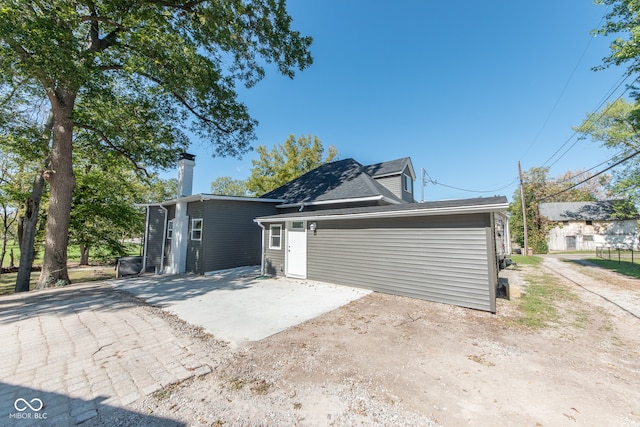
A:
(237, 305)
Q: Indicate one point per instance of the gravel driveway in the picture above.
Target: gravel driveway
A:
(389, 360)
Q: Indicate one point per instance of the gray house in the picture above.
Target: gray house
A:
(349, 224)
(343, 223)
(438, 251)
(587, 225)
(204, 232)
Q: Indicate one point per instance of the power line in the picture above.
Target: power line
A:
(595, 111)
(434, 182)
(566, 85)
(590, 169)
(591, 177)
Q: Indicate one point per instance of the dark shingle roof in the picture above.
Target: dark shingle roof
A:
(587, 211)
(388, 168)
(343, 179)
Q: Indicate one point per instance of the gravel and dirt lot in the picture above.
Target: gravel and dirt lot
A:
(388, 360)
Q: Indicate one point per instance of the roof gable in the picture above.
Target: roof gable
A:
(607, 210)
(340, 180)
(393, 167)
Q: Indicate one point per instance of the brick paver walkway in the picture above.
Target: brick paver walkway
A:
(84, 349)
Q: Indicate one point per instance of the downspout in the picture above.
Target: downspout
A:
(262, 254)
(146, 242)
(164, 236)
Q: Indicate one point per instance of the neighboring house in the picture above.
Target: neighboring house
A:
(587, 225)
(343, 223)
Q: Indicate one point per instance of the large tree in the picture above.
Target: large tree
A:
(227, 186)
(25, 137)
(104, 210)
(623, 19)
(616, 127)
(131, 75)
(286, 162)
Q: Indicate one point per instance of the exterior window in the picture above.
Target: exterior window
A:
(297, 225)
(587, 238)
(196, 229)
(275, 236)
(589, 222)
(170, 229)
(407, 183)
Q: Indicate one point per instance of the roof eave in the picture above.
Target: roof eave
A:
(452, 210)
(203, 197)
(339, 201)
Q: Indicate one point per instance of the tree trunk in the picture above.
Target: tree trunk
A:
(4, 251)
(28, 238)
(20, 228)
(84, 254)
(61, 181)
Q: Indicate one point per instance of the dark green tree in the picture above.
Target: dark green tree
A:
(616, 127)
(286, 162)
(130, 76)
(104, 210)
(227, 186)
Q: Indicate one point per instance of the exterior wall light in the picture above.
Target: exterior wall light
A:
(313, 226)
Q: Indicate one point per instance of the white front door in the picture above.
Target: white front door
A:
(297, 249)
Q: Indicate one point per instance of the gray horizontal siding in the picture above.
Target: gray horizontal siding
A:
(274, 259)
(231, 238)
(393, 184)
(438, 259)
(155, 238)
(196, 251)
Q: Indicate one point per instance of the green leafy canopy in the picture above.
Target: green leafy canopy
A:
(146, 71)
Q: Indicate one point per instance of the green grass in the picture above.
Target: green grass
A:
(526, 260)
(539, 301)
(623, 266)
(8, 280)
(97, 255)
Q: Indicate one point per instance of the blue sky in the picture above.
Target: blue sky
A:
(466, 89)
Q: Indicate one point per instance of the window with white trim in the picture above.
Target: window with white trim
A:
(275, 236)
(196, 229)
(408, 183)
(170, 229)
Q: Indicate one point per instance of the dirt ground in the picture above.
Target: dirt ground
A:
(388, 360)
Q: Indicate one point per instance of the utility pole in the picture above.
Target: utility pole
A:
(524, 213)
(423, 182)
